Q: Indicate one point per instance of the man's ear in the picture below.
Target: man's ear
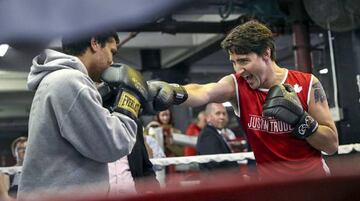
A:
(94, 45)
(267, 54)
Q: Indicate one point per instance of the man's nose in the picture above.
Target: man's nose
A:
(240, 70)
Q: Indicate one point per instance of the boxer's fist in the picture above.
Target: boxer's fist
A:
(283, 104)
(165, 95)
(130, 87)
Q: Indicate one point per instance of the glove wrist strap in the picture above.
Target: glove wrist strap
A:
(305, 127)
(180, 94)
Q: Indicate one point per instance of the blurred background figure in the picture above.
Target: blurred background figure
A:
(171, 149)
(194, 129)
(165, 120)
(9, 181)
(155, 150)
(18, 147)
(133, 173)
(236, 143)
(154, 140)
(211, 140)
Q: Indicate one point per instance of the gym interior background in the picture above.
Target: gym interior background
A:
(181, 45)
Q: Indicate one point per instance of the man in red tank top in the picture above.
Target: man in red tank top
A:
(287, 137)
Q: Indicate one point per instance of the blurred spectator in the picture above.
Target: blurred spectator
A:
(154, 130)
(154, 139)
(133, 173)
(18, 147)
(120, 178)
(236, 144)
(150, 140)
(211, 140)
(194, 130)
(165, 120)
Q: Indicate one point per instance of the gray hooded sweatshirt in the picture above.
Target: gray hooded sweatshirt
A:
(71, 136)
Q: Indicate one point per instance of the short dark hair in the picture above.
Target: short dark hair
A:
(78, 47)
(249, 37)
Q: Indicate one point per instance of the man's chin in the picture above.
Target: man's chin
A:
(254, 86)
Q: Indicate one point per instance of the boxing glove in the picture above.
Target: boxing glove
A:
(283, 104)
(108, 95)
(165, 95)
(129, 89)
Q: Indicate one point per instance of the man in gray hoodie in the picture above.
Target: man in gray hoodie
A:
(71, 136)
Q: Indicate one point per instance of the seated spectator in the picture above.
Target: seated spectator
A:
(211, 139)
(193, 130)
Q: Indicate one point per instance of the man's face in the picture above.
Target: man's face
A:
(103, 58)
(217, 116)
(251, 67)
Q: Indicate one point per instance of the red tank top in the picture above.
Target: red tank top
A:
(277, 152)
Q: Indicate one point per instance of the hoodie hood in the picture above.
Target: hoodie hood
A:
(49, 61)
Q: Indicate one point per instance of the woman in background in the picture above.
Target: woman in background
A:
(165, 120)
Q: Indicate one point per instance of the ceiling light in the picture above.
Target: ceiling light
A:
(323, 71)
(227, 104)
(3, 49)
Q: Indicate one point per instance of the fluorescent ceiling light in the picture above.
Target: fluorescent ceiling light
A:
(227, 104)
(3, 49)
(323, 71)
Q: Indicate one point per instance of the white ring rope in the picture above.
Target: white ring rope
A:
(240, 157)
(203, 158)
(10, 170)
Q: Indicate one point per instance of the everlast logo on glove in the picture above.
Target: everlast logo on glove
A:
(130, 103)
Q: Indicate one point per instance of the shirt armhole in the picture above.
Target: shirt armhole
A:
(309, 90)
(236, 105)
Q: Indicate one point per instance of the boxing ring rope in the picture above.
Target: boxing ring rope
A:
(345, 149)
(240, 157)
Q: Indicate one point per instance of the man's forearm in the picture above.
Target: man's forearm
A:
(324, 139)
(197, 95)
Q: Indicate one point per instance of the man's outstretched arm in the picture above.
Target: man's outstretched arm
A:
(219, 92)
(166, 94)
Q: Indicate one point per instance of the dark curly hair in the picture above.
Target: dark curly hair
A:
(249, 37)
(79, 46)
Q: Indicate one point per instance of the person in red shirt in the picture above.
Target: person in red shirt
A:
(193, 130)
(284, 113)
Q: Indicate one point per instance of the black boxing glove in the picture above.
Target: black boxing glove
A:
(108, 95)
(283, 104)
(131, 90)
(165, 95)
